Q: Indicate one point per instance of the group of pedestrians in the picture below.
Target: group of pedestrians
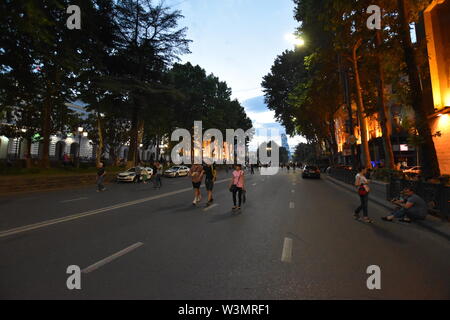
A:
(142, 175)
(410, 206)
(197, 173)
(209, 173)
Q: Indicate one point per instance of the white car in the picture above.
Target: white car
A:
(130, 175)
(177, 171)
(413, 171)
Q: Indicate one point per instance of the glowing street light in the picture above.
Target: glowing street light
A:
(295, 40)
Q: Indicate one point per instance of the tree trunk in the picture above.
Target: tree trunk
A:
(361, 114)
(29, 162)
(100, 146)
(383, 111)
(428, 156)
(132, 151)
(46, 114)
(333, 142)
(140, 138)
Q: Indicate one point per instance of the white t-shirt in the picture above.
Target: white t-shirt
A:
(361, 180)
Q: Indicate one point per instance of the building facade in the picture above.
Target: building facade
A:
(437, 26)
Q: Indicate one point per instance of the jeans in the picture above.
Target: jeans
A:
(237, 191)
(364, 205)
(100, 185)
(410, 213)
(157, 182)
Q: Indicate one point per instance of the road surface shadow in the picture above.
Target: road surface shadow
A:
(382, 232)
(225, 216)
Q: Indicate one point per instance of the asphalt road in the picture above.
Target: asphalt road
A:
(295, 239)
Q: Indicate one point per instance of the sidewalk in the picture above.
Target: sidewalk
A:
(432, 224)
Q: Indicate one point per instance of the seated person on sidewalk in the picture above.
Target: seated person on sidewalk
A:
(413, 208)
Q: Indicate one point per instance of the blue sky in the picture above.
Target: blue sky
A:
(238, 41)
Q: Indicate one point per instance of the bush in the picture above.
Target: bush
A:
(386, 174)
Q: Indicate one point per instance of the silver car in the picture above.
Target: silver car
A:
(130, 175)
(177, 171)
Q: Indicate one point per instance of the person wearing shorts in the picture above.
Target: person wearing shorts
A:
(210, 178)
(196, 174)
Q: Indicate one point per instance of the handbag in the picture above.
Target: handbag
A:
(362, 191)
(233, 188)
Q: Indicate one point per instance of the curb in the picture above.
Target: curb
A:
(384, 203)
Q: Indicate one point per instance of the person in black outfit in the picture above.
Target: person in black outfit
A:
(210, 178)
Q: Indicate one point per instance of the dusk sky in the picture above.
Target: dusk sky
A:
(238, 41)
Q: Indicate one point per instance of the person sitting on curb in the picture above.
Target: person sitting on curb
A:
(413, 208)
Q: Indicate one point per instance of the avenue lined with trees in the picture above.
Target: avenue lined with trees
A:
(123, 64)
(344, 63)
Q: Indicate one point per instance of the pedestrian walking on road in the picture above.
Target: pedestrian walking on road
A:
(197, 173)
(363, 189)
(157, 172)
(237, 186)
(138, 173)
(210, 178)
(101, 177)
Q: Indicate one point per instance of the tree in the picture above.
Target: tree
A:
(148, 41)
(37, 30)
(427, 148)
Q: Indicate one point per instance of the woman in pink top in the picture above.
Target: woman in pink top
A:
(237, 185)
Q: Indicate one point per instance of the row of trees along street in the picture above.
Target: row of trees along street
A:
(345, 63)
(123, 63)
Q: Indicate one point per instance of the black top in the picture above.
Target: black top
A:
(208, 172)
(101, 172)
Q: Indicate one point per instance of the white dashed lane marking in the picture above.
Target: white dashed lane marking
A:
(286, 256)
(111, 258)
(73, 200)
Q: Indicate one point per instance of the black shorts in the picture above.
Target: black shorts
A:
(196, 185)
(209, 185)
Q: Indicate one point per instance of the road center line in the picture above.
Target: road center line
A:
(79, 199)
(286, 256)
(111, 258)
(47, 223)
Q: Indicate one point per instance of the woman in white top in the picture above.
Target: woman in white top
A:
(362, 187)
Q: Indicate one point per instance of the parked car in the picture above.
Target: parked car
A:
(311, 172)
(130, 175)
(149, 171)
(413, 171)
(177, 171)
